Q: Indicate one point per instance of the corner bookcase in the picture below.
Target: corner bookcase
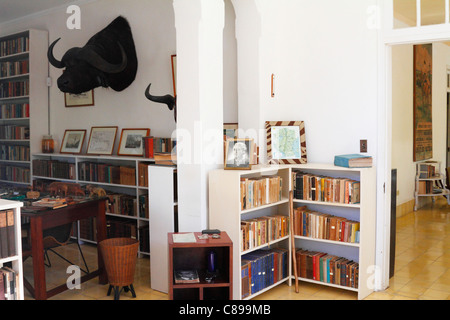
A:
(14, 260)
(23, 102)
(225, 213)
(84, 169)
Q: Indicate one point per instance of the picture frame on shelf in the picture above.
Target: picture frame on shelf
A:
(282, 153)
(73, 141)
(230, 130)
(238, 154)
(131, 142)
(102, 140)
(85, 99)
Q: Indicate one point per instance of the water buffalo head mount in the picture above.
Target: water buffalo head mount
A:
(171, 101)
(108, 60)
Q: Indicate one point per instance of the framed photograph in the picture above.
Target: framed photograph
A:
(423, 122)
(73, 141)
(85, 99)
(101, 140)
(131, 142)
(238, 154)
(230, 130)
(286, 142)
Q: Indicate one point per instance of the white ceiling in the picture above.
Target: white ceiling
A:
(15, 9)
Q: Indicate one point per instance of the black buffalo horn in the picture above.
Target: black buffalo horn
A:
(167, 99)
(95, 60)
(51, 57)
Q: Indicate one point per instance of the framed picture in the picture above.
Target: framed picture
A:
(423, 124)
(131, 142)
(230, 130)
(73, 141)
(101, 140)
(79, 100)
(238, 154)
(286, 142)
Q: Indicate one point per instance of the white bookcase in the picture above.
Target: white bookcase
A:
(364, 212)
(134, 190)
(163, 207)
(16, 260)
(430, 183)
(15, 152)
(225, 214)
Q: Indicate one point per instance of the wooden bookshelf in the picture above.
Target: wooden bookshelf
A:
(23, 102)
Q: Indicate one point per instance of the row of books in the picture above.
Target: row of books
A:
(88, 229)
(427, 170)
(313, 224)
(116, 228)
(260, 191)
(14, 110)
(9, 284)
(154, 145)
(107, 173)
(53, 169)
(122, 204)
(14, 89)
(14, 153)
(327, 268)
(262, 230)
(312, 187)
(7, 234)
(144, 238)
(13, 46)
(14, 173)
(143, 206)
(14, 68)
(14, 132)
(263, 268)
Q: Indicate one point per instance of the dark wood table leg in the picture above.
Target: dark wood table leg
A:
(101, 235)
(37, 250)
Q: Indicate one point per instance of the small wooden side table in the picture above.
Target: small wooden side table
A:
(193, 256)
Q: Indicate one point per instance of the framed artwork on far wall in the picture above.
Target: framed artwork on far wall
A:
(84, 99)
(131, 142)
(73, 141)
(101, 140)
(286, 142)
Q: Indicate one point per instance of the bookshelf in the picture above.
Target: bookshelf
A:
(226, 214)
(363, 212)
(163, 208)
(14, 260)
(430, 182)
(23, 102)
(129, 186)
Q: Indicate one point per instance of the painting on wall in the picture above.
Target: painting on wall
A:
(423, 126)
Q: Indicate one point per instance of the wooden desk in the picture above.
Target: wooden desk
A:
(46, 219)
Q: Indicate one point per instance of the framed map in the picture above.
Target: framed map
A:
(286, 142)
(423, 125)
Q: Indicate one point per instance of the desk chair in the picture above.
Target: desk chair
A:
(53, 238)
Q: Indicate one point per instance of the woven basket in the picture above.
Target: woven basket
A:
(119, 256)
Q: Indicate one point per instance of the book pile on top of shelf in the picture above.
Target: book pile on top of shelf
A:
(7, 234)
(312, 187)
(263, 268)
(327, 268)
(313, 224)
(9, 284)
(259, 231)
(256, 192)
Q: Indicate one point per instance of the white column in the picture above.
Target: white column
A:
(199, 29)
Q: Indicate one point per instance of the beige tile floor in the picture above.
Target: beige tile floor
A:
(422, 267)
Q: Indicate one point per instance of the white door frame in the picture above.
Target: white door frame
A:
(389, 37)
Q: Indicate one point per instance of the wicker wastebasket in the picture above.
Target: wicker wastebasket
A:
(119, 256)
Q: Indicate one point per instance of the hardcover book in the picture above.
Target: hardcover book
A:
(353, 161)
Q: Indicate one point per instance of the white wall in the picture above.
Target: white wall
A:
(402, 114)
